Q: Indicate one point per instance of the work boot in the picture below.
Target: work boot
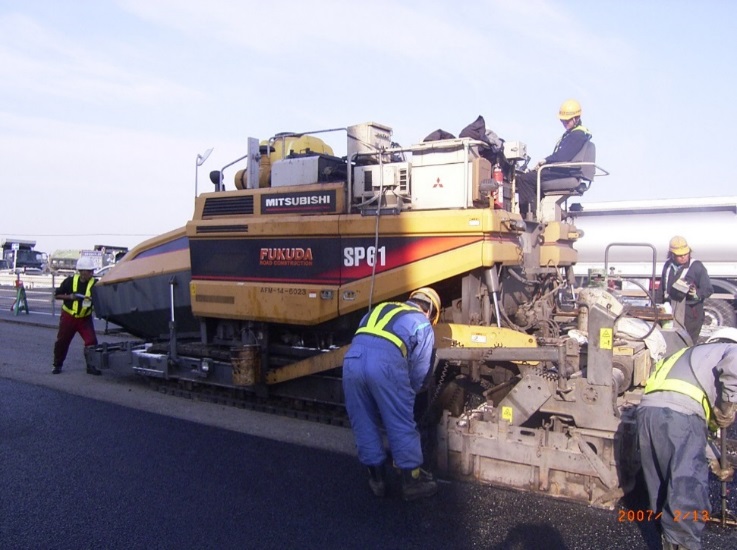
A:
(93, 370)
(417, 483)
(377, 480)
(56, 369)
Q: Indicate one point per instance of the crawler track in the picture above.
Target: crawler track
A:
(303, 409)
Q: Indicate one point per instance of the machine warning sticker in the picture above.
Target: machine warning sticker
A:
(606, 338)
(507, 414)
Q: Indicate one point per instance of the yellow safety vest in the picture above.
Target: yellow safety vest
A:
(579, 128)
(659, 381)
(380, 317)
(75, 311)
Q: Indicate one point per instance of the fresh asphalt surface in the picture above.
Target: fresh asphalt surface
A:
(104, 462)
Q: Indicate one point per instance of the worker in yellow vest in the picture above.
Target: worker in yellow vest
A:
(688, 392)
(574, 138)
(76, 313)
(386, 366)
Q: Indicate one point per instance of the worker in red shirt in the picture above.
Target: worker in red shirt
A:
(76, 313)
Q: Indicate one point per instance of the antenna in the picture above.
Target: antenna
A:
(203, 157)
(199, 162)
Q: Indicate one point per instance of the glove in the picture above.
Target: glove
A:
(724, 414)
(537, 166)
(692, 293)
(725, 474)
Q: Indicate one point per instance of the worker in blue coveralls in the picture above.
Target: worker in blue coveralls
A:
(383, 370)
(687, 392)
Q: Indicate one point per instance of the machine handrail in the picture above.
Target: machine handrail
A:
(599, 171)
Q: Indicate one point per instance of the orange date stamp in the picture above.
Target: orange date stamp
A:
(639, 516)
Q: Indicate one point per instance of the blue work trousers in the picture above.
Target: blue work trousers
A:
(673, 455)
(377, 390)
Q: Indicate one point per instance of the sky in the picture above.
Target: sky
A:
(105, 104)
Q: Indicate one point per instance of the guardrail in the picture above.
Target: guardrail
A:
(31, 281)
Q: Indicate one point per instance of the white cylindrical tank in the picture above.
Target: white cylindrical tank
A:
(708, 224)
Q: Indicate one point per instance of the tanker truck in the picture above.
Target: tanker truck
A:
(628, 240)
(535, 381)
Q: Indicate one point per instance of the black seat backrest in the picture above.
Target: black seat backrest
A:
(588, 154)
(580, 178)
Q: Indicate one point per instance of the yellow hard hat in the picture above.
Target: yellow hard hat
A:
(427, 294)
(570, 109)
(679, 246)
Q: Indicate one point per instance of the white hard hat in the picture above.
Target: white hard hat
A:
(723, 333)
(85, 263)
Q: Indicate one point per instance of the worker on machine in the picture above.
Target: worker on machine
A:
(685, 284)
(76, 313)
(385, 367)
(692, 389)
(570, 143)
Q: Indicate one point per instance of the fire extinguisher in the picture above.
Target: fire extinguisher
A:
(498, 177)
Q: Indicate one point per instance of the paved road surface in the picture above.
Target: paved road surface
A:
(105, 462)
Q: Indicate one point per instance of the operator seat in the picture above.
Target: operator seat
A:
(556, 191)
(573, 185)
